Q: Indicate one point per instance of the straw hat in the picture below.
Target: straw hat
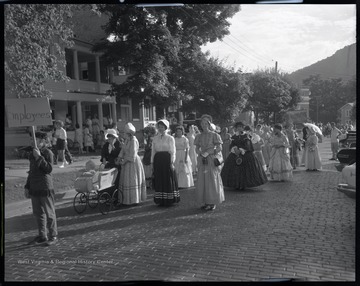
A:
(129, 128)
(165, 122)
(111, 132)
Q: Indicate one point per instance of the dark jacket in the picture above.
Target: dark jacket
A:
(110, 157)
(40, 181)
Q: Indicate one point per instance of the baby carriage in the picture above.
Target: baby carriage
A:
(96, 188)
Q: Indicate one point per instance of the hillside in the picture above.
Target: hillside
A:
(342, 64)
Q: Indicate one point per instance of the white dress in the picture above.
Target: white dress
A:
(183, 170)
(192, 152)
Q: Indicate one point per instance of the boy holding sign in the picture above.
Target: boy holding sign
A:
(40, 188)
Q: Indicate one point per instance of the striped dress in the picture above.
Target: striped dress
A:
(132, 177)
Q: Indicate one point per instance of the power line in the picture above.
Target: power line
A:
(260, 57)
(246, 49)
(245, 55)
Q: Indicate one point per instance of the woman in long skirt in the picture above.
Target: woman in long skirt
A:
(132, 177)
(192, 152)
(257, 143)
(209, 187)
(266, 148)
(241, 168)
(280, 167)
(293, 137)
(182, 163)
(312, 155)
(305, 131)
(163, 154)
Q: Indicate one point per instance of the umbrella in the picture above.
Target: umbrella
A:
(314, 127)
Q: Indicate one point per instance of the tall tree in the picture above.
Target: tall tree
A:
(330, 95)
(156, 42)
(270, 95)
(31, 30)
(223, 91)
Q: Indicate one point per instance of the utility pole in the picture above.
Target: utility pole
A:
(276, 67)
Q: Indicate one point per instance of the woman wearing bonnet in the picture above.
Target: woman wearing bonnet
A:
(242, 169)
(209, 187)
(163, 154)
(132, 178)
(110, 152)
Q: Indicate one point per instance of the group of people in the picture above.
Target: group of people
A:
(170, 161)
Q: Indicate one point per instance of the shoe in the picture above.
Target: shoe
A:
(210, 207)
(52, 240)
(38, 240)
(204, 207)
(62, 166)
(332, 159)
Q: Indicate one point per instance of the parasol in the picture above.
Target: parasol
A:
(314, 127)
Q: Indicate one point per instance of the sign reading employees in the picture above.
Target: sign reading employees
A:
(28, 111)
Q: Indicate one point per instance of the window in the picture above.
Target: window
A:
(84, 74)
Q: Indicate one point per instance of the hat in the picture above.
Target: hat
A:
(41, 135)
(165, 122)
(207, 117)
(129, 128)
(111, 132)
(239, 123)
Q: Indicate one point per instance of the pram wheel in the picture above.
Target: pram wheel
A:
(105, 203)
(117, 198)
(80, 203)
(93, 199)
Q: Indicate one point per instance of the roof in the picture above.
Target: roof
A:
(350, 104)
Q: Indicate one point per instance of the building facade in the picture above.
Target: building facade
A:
(345, 114)
(86, 92)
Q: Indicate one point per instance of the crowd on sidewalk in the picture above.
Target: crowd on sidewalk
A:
(241, 158)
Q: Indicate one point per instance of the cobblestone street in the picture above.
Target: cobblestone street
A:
(303, 229)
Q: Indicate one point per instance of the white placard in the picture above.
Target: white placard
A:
(28, 112)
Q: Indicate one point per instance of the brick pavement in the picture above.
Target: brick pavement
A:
(303, 229)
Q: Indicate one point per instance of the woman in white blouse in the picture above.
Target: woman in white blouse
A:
(163, 155)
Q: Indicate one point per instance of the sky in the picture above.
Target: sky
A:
(295, 36)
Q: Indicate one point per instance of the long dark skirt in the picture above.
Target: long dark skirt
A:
(164, 181)
(246, 175)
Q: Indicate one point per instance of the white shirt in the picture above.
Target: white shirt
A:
(163, 143)
(61, 133)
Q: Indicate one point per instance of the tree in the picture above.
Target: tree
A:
(270, 95)
(30, 32)
(224, 92)
(159, 43)
(331, 95)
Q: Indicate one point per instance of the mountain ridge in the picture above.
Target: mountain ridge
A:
(342, 64)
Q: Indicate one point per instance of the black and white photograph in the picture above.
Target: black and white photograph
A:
(179, 142)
